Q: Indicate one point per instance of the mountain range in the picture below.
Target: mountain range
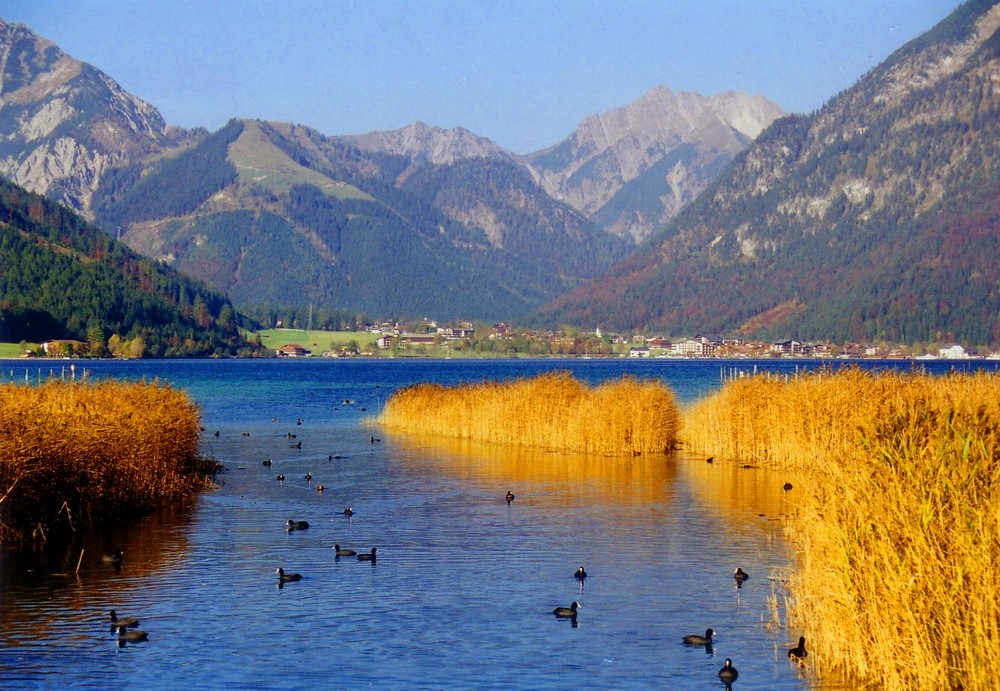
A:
(412, 222)
(874, 218)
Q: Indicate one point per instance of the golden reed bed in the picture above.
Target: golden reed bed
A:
(897, 537)
(74, 453)
(552, 411)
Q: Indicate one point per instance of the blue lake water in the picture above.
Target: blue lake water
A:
(462, 592)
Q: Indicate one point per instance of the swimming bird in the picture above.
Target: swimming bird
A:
(570, 611)
(126, 636)
(341, 552)
(739, 575)
(123, 622)
(113, 558)
(799, 652)
(281, 477)
(728, 673)
(287, 577)
(787, 486)
(710, 459)
(266, 463)
(375, 440)
(368, 557)
(320, 488)
(695, 639)
(580, 573)
(296, 445)
(348, 511)
(509, 497)
(308, 477)
(297, 525)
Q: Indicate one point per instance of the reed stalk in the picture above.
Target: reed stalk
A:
(551, 411)
(93, 452)
(897, 538)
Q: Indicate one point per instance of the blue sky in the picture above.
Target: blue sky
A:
(521, 72)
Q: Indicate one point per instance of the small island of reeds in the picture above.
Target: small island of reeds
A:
(896, 533)
(625, 417)
(73, 454)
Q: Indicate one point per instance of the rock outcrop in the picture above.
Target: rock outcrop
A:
(63, 123)
(671, 145)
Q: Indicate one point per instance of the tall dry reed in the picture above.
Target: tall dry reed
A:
(551, 411)
(897, 538)
(796, 423)
(73, 453)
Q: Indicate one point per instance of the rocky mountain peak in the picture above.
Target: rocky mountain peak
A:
(434, 145)
(65, 122)
(662, 117)
(909, 69)
(669, 143)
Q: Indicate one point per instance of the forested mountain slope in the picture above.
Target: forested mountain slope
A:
(874, 218)
(272, 212)
(63, 278)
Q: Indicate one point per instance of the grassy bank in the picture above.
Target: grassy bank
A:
(551, 411)
(72, 454)
(897, 535)
(316, 341)
(14, 350)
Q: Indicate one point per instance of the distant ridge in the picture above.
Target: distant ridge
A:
(433, 145)
(633, 168)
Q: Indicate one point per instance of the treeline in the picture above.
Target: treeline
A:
(306, 317)
(172, 187)
(62, 278)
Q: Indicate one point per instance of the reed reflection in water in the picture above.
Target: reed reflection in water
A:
(55, 619)
(736, 490)
(568, 478)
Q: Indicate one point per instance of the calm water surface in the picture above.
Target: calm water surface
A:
(463, 589)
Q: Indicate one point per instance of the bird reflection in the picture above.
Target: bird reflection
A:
(339, 552)
(126, 636)
(114, 559)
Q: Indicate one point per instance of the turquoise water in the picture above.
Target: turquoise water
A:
(462, 592)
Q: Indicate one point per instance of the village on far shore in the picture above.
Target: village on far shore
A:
(426, 338)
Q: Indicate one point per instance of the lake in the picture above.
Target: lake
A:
(462, 592)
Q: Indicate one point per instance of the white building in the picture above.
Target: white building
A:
(953, 352)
